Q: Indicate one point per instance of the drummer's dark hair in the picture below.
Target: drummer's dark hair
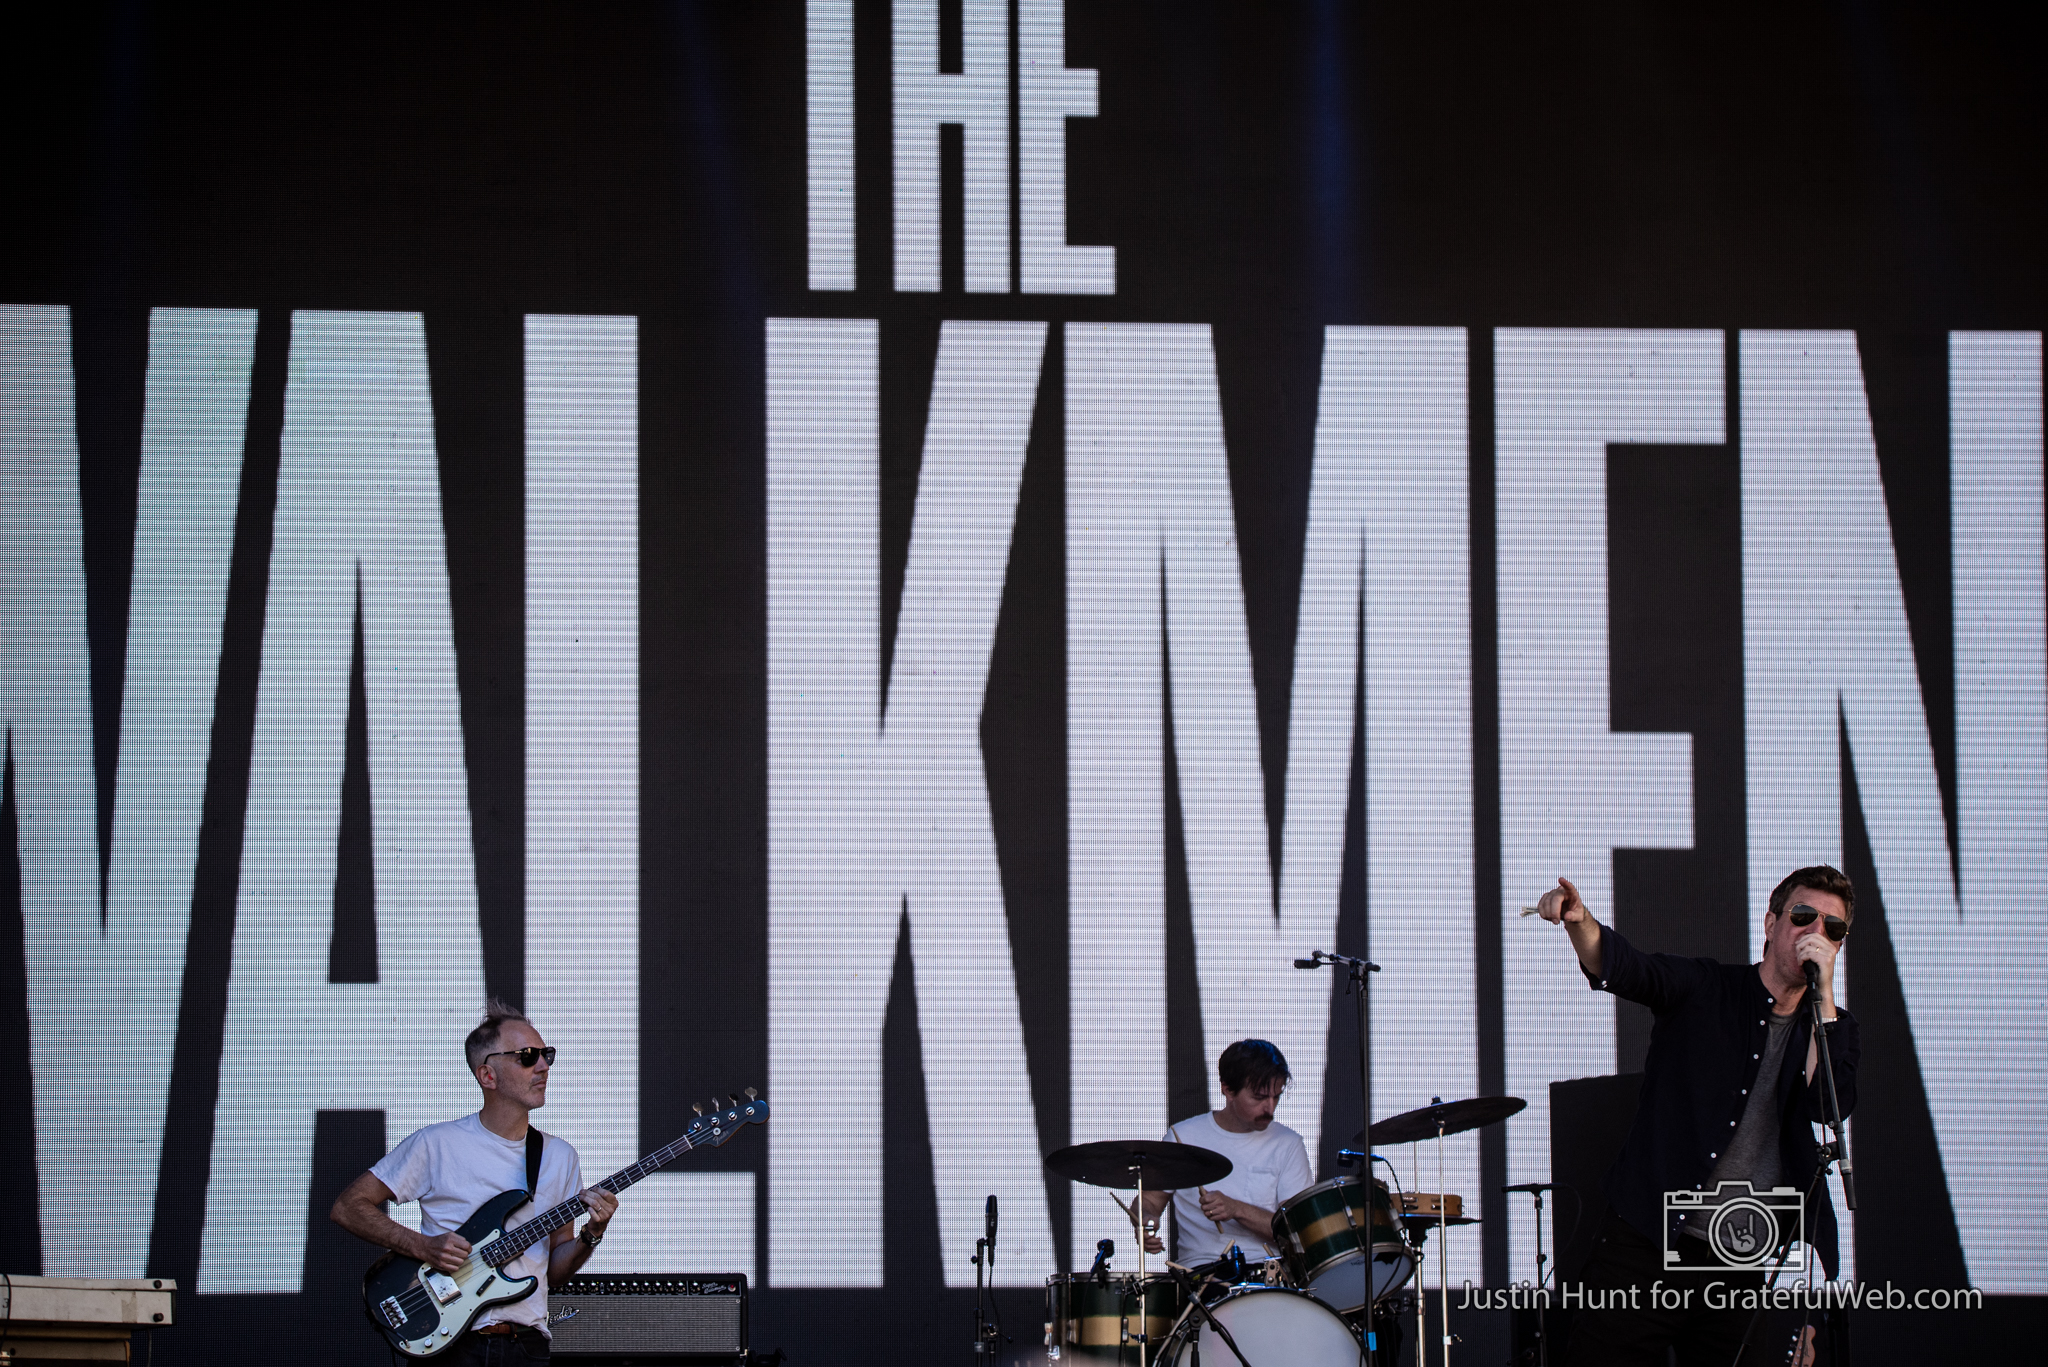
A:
(1253, 1063)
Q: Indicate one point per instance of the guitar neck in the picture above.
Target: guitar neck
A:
(511, 1244)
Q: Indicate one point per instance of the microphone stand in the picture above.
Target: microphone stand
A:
(1825, 1154)
(988, 1334)
(1358, 969)
(983, 1331)
(1831, 1105)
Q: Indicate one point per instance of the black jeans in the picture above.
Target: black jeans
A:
(501, 1350)
(1635, 1323)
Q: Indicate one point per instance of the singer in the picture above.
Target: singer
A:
(1718, 1104)
(1268, 1161)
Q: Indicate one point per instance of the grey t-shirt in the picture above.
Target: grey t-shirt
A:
(1752, 1152)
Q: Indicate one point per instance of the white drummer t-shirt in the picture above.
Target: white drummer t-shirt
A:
(1266, 1167)
(455, 1166)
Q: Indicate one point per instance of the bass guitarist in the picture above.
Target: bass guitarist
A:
(453, 1167)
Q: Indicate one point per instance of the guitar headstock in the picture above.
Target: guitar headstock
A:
(721, 1120)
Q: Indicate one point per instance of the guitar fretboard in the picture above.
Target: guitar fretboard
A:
(512, 1243)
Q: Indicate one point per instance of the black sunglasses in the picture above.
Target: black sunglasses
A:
(529, 1056)
(1835, 927)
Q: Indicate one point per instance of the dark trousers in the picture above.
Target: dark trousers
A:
(1636, 1325)
(501, 1350)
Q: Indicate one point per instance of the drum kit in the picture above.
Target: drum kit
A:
(1346, 1250)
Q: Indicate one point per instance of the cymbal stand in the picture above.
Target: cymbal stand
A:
(1144, 1343)
(1421, 1258)
(1538, 1300)
(1443, 1243)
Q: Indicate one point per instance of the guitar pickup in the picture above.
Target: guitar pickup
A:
(443, 1286)
(393, 1316)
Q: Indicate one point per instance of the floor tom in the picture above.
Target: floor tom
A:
(1100, 1320)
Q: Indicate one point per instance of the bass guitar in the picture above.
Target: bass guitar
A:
(421, 1311)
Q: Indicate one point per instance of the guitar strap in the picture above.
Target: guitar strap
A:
(535, 1141)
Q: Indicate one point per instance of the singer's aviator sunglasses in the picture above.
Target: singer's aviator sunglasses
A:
(529, 1056)
(1802, 915)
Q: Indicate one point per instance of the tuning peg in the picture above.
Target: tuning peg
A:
(735, 1097)
(697, 1106)
(751, 1094)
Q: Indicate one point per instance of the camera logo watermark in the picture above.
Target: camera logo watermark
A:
(1734, 1225)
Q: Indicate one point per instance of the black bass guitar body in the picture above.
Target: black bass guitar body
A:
(422, 1311)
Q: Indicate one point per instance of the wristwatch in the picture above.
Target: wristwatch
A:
(591, 1236)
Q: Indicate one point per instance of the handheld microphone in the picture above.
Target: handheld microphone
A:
(1105, 1249)
(1531, 1186)
(1812, 976)
(991, 1226)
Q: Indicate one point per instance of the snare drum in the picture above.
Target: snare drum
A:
(1339, 1248)
(1101, 1321)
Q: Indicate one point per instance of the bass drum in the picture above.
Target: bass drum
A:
(1274, 1326)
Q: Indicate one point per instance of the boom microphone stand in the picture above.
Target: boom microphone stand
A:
(1357, 968)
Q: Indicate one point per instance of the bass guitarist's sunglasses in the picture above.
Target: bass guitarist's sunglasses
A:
(1802, 915)
(529, 1056)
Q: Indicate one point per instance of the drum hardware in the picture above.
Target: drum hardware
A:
(1439, 1119)
(1198, 1306)
(1536, 1190)
(1122, 1164)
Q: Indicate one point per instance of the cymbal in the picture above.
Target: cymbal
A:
(1454, 1116)
(1119, 1163)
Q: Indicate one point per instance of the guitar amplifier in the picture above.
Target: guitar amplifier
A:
(650, 1317)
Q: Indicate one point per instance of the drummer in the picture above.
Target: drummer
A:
(1268, 1162)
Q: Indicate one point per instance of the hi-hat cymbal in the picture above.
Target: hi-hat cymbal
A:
(1119, 1163)
(1454, 1117)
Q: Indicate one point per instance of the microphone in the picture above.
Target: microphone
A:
(1105, 1249)
(1812, 976)
(1531, 1186)
(1316, 962)
(991, 1225)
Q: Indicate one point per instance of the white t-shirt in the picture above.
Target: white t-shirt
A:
(454, 1167)
(1266, 1166)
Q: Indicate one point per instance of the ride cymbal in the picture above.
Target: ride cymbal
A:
(1454, 1117)
(1119, 1163)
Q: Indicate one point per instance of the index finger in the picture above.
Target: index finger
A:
(1570, 891)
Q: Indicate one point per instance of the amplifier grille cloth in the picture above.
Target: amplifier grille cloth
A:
(649, 1324)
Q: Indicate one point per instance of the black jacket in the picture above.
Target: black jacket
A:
(1712, 1020)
